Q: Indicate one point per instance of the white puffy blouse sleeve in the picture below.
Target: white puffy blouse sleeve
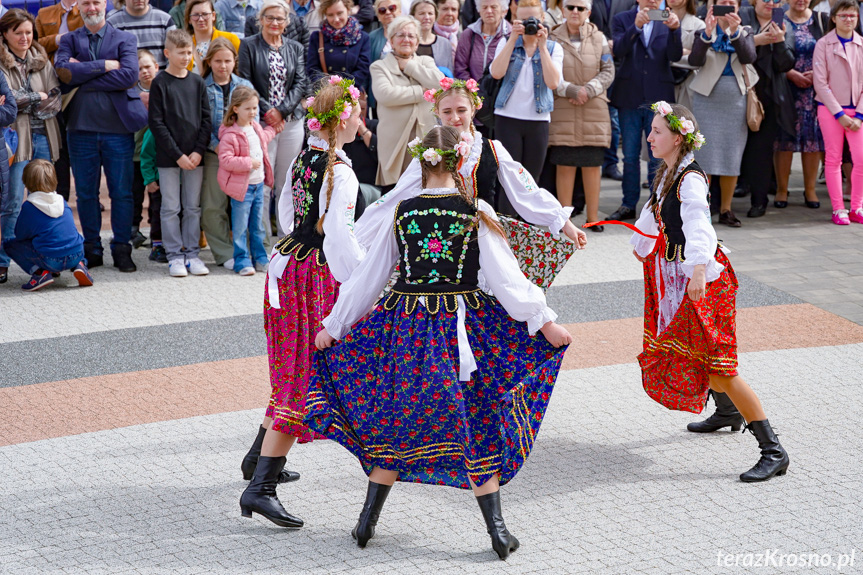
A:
(358, 295)
(697, 228)
(341, 247)
(521, 299)
(286, 202)
(536, 205)
(380, 213)
(646, 223)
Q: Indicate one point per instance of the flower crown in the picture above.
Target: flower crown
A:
(342, 109)
(435, 155)
(470, 85)
(685, 127)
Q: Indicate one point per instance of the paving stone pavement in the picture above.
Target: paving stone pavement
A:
(126, 408)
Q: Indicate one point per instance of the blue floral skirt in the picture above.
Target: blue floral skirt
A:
(390, 394)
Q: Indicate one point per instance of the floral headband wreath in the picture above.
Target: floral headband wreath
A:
(433, 96)
(435, 155)
(681, 125)
(342, 109)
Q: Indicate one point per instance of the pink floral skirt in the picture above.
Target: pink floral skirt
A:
(307, 293)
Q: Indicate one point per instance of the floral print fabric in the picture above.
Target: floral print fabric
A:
(807, 134)
(540, 255)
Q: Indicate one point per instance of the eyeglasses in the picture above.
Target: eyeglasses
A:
(391, 9)
(848, 17)
(276, 19)
(579, 8)
(201, 16)
(403, 36)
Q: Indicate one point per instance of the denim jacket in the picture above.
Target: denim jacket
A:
(218, 105)
(542, 93)
(235, 14)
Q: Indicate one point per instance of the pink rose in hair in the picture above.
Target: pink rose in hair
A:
(314, 125)
(346, 113)
(428, 96)
(462, 148)
(355, 94)
(663, 107)
(479, 104)
(686, 126)
(335, 80)
(309, 101)
(446, 83)
(472, 85)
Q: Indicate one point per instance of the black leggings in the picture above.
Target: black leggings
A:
(757, 166)
(527, 143)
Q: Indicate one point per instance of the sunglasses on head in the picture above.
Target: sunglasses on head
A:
(391, 9)
(570, 8)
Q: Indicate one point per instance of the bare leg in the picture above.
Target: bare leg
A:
(811, 160)
(383, 476)
(277, 444)
(489, 486)
(267, 422)
(565, 180)
(741, 394)
(782, 166)
(592, 178)
(726, 185)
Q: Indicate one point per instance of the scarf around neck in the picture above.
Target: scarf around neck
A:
(347, 35)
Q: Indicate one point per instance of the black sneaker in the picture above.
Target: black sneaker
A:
(623, 213)
(138, 240)
(157, 254)
(94, 260)
(123, 258)
(612, 172)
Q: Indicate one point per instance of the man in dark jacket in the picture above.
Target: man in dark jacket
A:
(645, 50)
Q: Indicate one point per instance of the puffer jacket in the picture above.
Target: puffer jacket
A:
(235, 161)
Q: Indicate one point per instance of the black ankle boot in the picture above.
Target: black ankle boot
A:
(502, 540)
(726, 415)
(774, 460)
(260, 496)
(251, 460)
(375, 498)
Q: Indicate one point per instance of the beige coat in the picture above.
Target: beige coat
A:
(403, 113)
(588, 124)
(42, 79)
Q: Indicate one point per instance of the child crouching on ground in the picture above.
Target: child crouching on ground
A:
(244, 170)
(46, 241)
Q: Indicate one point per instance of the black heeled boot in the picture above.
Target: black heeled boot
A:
(260, 496)
(774, 460)
(251, 460)
(726, 415)
(375, 498)
(502, 541)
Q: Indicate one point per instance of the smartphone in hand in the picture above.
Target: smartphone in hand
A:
(722, 10)
(658, 15)
(778, 16)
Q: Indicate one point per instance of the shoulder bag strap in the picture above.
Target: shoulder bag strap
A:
(321, 51)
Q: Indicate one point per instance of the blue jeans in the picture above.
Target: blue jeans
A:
(22, 252)
(611, 151)
(634, 127)
(248, 228)
(15, 197)
(89, 152)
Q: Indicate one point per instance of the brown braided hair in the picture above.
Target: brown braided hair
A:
(681, 112)
(446, 138)
(325, 100)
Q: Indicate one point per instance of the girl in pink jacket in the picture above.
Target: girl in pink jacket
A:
(838, 81)
(244, 170)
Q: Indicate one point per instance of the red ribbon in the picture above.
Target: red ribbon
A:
(660, 244)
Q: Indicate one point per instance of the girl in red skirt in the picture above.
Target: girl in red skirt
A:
(317, 210)
(690, 343)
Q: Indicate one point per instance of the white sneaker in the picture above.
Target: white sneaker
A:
(177, 268)
(229, 264)
(197, 267)
(247, 271)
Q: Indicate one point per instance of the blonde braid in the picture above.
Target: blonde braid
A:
(331, 162)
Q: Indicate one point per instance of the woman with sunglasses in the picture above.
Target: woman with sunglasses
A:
(386, 11)
(837, 62)
(580, 129)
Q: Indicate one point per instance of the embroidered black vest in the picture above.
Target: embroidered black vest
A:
(671, 223)
(438, 253)
(485, 174)
(307, 177)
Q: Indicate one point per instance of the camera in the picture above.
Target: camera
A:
(531, 26)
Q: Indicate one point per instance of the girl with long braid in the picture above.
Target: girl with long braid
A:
(690, 341)
(316, 209)
(441, 384)
(487, 171)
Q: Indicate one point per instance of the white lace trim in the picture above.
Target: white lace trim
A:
(324, 145)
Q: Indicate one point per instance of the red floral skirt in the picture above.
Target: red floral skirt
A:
(700, 340)
(307, 293)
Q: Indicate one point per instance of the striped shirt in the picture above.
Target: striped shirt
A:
(149, 29)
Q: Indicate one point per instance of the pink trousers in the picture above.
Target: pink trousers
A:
(834, 137)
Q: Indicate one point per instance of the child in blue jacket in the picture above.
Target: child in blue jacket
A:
(46, 241)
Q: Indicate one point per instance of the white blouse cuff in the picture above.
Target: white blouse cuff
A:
(562, 217)
(536, 322)
(712, 269)
(643, 246)
(334, 327)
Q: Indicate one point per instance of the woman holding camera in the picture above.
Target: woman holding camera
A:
(523, 107)
(722, 51)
